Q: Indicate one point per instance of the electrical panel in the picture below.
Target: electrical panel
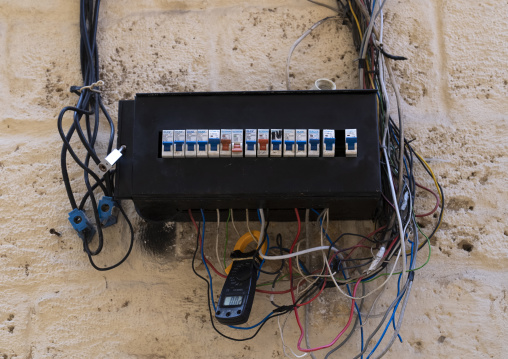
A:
(276, 150)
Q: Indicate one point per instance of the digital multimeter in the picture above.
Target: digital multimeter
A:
(235, 302)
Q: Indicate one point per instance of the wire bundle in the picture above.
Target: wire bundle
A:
(359, 270)
(86, 122)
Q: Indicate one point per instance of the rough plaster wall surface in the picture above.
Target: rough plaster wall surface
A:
(454, 88)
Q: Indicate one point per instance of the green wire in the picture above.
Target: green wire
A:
(227, 236)
(409, 270)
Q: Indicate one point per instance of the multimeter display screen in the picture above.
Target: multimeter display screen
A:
(233, 301)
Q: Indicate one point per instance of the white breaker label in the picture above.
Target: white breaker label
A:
(179, 143)
(237, 143)
(289, 143)
(351, 143)
(213, 143)
(202, 143)
(276, 143)
(263, 142)
(301, 143)
(225, 143)
(314, 143)
(191, 137)
(328, 143)
(168, 146)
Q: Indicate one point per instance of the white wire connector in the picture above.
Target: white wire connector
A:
(111, 159)
(379, 256)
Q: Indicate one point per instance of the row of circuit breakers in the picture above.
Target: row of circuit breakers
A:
(255, 143)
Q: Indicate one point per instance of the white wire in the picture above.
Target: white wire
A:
(304, 35)
(295, 254)
(373, 291)
(221, 266)
(333, 278)
(390, 180)
(284, 346)
(248, 228)
(233, 223)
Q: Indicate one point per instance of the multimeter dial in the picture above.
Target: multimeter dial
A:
(237, 295)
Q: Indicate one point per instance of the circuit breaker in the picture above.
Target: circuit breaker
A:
(277, 150)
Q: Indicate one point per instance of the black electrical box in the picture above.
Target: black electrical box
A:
(165, 188)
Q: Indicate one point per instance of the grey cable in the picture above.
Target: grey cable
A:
(366, 345)
(401, 128)
(404, 304)
(399, 322)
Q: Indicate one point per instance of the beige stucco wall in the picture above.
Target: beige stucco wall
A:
(455, 87)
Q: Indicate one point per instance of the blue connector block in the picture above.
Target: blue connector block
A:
(214, 143)
(179, 145)
(350, 143)
(82, 225)
(190, 146)
(276, 145)
(106, 205)
(301, 145)
(329, 142)
(313, 144)
(202, 145)
(250, 145)
(167, 146)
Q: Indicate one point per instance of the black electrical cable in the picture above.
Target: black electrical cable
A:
(128, 251)
(276, 314)
(278, 241)
(85, 124)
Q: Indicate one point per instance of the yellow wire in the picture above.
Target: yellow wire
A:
(356, 19)
(435, 182)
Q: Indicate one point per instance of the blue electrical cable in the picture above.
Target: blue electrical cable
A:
(203, 259)
(321, 224)
(254, 326)
(392, 318)
(387, 325)
(267, 246)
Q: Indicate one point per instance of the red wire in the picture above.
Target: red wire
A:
(294, 299)
(363, 240)
(391, 245)
(437, 201)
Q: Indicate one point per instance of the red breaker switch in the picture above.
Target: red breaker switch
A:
(263, 144)
(237, 140)
(225, 144)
